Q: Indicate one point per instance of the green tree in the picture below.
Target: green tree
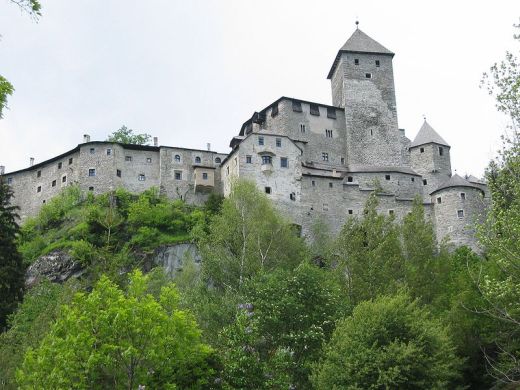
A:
(12, 270)
(367, 255)
(6, 89)
(388, 343)
(246, 238)
(125, 135)
(109, 339)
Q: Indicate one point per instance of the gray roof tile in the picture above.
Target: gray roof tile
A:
(427, 135)
(455, 181)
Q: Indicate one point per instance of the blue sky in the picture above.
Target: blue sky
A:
(191, 72)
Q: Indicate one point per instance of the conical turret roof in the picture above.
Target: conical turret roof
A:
(427, 135)
(455, 181)
(359, 42)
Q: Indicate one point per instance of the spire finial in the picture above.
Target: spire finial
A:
(424, 117)
(357, 24)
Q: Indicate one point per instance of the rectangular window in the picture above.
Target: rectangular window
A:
(342, 160)
(313, 183)
(39, 189)
(249, 159)
(91, 188)
(439, 200)
(378, 63)
(331, 185)
(278, 142)
(390, 212)
(92, 150)
(39, 174)
(274, 110)
(178, 175)
(266, 160)
(53, 184)
(412, 179)
(267, 190)
(350, 179)
(204, 176)
(441, 151)
(284, 163)
(296, 106)
(118, 172)
(64, 179)
(331, 112)
(9, 180)
(128, 158)
(71, 160)
(368, 75)
(421, 150)
(235, 161)
(109, 152)
(460, 213)
(315, 109)
(302, 128)
(325, 207)
(148, 159)
(356, 61)
(425, 182)
(387, 177)
(350, 211)
(141, 177)
(328, 133)
(60, 165)
(325, 156)
(92, 172)
(463, 196)
(227, 171)
(261, 141)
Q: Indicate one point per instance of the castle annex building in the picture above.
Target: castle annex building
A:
(317, 162)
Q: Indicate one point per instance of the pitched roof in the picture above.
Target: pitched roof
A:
(359, 42)
(427, 135)
(455, 181)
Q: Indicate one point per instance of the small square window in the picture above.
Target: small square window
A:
(204, 176)
(356, 61)
(267, 190)
(302, 128)
(128, 158)
(463, 196)
(328, 133)
(92, 172)
(60, 165)
(325, 156)
(141, 177)
(92, 150)
(249, 159)
(425, 182)
(313, 183)
(390, 212)
(387, 177)
(71, 160)
(109, 152)
(279, 142)
(315, 109)
(43, 201)
(350, 211)
(441, 151)
(439, 200)
(296, 106)
(267, 160)
(460, 213)
(421, 150)
(261, 141)
(378, 63)
(331, 112)
(118, 172)
(331, 185)
(9, 180)
(412, 179)
(350, 179)
(91, 188)
(368, 75)
(274, 110)
(53, 184)
(325, 207)
(148, 159)
(177, 158)
(39, 174)
(178, 175)
(284, 163)
(39, 189)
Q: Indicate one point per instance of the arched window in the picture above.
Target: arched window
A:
(177, 158)
(197, 160)
(218, 160)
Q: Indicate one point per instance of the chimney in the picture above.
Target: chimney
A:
(208, 145)
(86, 138)
(31, 161)
(155, 141)
(2, 170)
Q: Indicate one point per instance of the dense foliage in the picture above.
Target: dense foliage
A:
(125, 135)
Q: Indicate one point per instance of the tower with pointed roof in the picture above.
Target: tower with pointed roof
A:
(362, 82)
(430, 158)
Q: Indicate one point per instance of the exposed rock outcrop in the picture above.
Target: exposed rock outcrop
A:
(57, 266)
(173, 257)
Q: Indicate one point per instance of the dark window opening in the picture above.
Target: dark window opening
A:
(128, 158)
(92, 150)
(390, 212)
(197, 160)
(148, 159)
(325, 207)
(267, 190)
(441, 151)
(218, 160)
(292, 196)
(109, 152)
(60, 165)
(53, 183)
(421, 150)
(331, 112)
(296, 106)
(425, 182)
(274, 111)
(412, 179)
(249, 159)
(313, 183)
(302, 128)
(351, 211)
(39, 189)
(356, 61)
(267, 160)
(141, 177)
(460, 213)
(387, 177)
(279, 142)
(118, 172)
(342, 160)
(70, 160)
(43, 201)
(462, 196)
(9, 180)
(350, 179)
(261, 141)
(315, 109)
(92, 172)
(39, 174)
(178, 175)
(328, 133)
(439, 200)
(331, 185)
(325, 156)
(91, 188)
(378, 63)
(177, 158)
(204, 176)
(368, 75)
(284, 163)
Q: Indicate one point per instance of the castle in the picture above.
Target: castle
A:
(317, 162)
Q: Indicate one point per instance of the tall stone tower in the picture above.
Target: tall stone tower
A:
(362, 81)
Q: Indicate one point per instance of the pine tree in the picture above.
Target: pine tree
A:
(11, 265)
